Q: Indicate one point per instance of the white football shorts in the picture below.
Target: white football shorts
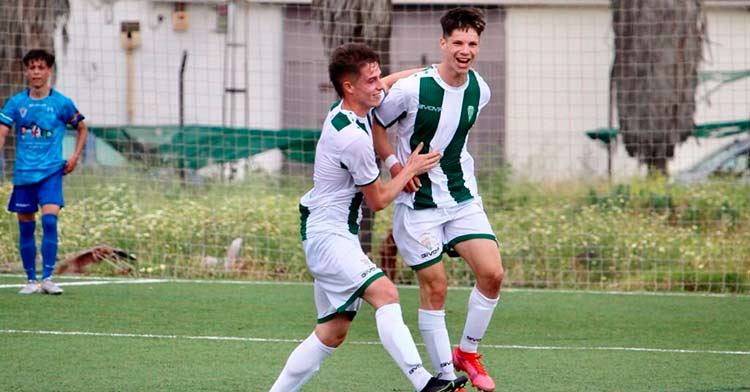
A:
(342, 272)
(423, 235)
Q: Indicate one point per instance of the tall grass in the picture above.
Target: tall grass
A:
(643, 235)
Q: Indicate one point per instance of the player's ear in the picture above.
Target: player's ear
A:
(347, 85)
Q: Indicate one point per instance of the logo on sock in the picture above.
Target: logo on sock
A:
(473, 339)
(414, 369)
(444, 364)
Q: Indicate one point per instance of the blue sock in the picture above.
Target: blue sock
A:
(49, 244)
(27, 248)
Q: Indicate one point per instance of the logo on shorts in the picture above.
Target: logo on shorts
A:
(431, 243)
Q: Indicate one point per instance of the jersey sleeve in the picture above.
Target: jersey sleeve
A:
(358, 157)
(70, 114)
(7, 115)
(393, 107)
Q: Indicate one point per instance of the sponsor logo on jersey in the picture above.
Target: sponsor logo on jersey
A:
(430, 108)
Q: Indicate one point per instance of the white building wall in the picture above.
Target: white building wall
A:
(92, 70)
(558, 60)
(558, 81)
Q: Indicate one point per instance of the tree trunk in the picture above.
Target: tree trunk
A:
(658, 46)
(368, 21)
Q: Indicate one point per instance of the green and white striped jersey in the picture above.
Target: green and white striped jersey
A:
(429, 110)
(344, 160)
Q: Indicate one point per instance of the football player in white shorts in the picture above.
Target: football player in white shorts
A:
(434, 110)
(345, 174)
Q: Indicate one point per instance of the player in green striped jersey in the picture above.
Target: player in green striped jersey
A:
(345, 174)
(436, 108)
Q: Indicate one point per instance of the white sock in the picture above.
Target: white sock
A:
(435, 337)
(396, 338)
(478, 319)
(304, 361)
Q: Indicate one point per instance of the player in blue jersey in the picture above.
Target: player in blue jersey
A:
(40, 115)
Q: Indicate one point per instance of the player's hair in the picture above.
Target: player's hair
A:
(462, 18)
(347, 59)
(39, 54)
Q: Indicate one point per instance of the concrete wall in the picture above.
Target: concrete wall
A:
(92, 70)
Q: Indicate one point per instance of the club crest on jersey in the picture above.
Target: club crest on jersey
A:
(23, 111)
(470, 112)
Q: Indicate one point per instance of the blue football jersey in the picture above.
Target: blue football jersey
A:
(40, 126)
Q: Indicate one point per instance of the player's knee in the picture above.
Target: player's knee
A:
(491, 280)
(49, 224)
(332, 337)
(389, 294)
(435, 292)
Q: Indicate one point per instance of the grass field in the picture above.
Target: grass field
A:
(235, 336)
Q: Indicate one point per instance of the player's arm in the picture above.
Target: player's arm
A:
(392, 78)
(385, 151)
(83, 131)
(379, 194)
(4, 129)
(6, 121)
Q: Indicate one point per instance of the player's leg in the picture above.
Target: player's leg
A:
(433, 289)
(483, 257)
(336, 289)
(394, 334)
(51, 200)
(23, 201)
(397, 340)
(419, 236)
(306, 358)
(471, 237)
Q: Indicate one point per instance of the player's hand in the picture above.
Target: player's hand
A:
(413, 184)
(70, 165)
(421, 163)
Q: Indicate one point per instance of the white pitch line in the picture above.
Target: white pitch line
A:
(409, 287)
(93, 283)
(367, 343)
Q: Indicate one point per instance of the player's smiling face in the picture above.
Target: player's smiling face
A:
(38, 73)
(460, 49)
(368, 86)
